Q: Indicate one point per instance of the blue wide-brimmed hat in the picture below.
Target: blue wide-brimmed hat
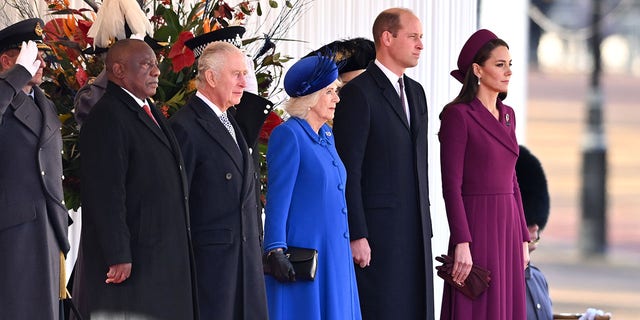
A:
(309, 75)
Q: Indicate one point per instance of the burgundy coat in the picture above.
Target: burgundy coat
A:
(478, 156)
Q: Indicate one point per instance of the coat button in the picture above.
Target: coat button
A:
(62, 202)
(62, 177)
(228, 176)
(344, 210)
(42, 172)
(340, 187)
(346, 235)
(538, 306)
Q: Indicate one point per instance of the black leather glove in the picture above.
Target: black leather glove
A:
(280, 266)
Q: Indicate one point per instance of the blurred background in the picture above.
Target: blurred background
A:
(583, 123)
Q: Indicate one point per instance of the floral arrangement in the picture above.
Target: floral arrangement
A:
(70, 66)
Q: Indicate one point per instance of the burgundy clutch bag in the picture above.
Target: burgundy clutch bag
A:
(475, 284)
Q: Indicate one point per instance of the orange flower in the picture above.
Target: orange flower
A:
(180, 55)
(165, 111)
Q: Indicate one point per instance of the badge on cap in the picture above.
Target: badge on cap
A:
(38, 29)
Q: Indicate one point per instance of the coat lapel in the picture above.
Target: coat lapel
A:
(503, 132)
(216, 130)
(247, 186)
(50, 121)
(416, 108)
(388, 92)
(27, 112)
(133, 106)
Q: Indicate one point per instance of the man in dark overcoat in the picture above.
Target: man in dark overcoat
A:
(33, 217)
(135, 259)
(222, 194)
(380, 129)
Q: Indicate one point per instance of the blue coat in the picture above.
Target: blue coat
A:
(306, 207)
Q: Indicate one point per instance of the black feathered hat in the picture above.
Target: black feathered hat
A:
(349, 55)
(533, 188)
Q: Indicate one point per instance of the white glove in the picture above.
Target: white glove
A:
(28, 57)
(252, 81)
(591, 314)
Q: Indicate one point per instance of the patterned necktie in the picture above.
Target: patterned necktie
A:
(148, 111)
(227, 124)
(402, 99)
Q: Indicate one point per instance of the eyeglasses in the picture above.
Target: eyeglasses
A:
(537, 239)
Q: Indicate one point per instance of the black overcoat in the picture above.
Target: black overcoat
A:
(135, 209)
(225, 218)
(388, 193)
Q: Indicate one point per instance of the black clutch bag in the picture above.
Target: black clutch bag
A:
(475, 284)
(304, 262)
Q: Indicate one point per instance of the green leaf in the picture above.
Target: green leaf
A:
(288, 4)
(259, 9)
(273, 4)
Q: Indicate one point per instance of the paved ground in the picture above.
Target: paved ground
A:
(555, 126)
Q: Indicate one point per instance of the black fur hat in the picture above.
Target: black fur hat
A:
(533, 187)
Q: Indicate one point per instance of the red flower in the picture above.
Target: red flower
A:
(273, 120)
(81, 76)
(181, 55)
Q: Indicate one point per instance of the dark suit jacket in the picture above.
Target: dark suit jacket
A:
(387, 193)
(224, 215)
(33, 217)
(135, 209)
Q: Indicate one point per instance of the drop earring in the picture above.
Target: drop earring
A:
(478, 81)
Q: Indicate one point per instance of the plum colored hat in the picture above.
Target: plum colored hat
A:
(231, 34)
(533, 188)
(12, 36)
(469, 51)
(349, 55)
(309, 75)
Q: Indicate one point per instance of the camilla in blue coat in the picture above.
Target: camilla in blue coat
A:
(306, 204)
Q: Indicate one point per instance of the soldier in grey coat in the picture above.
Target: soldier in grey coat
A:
(33, 217)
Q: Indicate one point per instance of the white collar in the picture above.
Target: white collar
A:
(209, 103)
(138, 100)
